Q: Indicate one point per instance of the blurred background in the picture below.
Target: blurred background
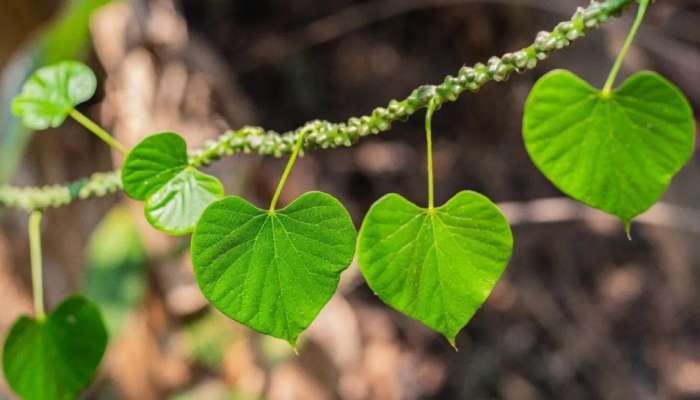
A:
(581, 313)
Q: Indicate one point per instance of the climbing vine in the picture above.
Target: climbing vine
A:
(274, 268)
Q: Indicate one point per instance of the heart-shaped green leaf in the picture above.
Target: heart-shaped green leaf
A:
(437, 266)
(55, 358)
(273, 271)
(51, 93)
(616, 153)
(157, 171)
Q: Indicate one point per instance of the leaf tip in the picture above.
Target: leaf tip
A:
(452, 340)
(295, 348)
(628, 228)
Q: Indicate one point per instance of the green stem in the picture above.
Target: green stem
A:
(607, 89)
(97, 130)
(287, 171)
(432, 106)
(37, 268)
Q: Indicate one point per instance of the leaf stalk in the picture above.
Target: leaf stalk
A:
(607, 89)
(432, 106)
(83, 120)
(37, 263)
(287, 171)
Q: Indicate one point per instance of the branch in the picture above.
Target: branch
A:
(327, 135)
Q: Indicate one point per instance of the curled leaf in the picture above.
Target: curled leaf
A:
(174, 193)
(52, 92)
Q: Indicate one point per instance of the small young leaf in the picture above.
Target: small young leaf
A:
(51, 93)
(437, 266)
(616, 153)
(175, 194)
(55, 358)
(273, 271)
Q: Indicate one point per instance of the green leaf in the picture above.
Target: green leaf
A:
(51, 93)
(615, 153)
(436, 266)
(273, 271)
(65, 36)
(157, 171)
(177, 206)
(55, 358)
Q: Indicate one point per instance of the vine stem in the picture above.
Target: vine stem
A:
(432, 106)
(607, 89)
(287, 171)
(36, 261)
(322, 134)
(97, 130)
